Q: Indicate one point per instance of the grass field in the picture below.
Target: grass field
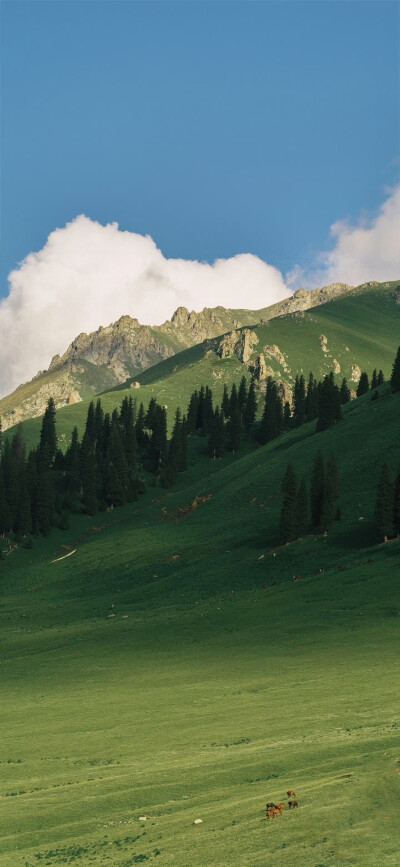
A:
(196, 702)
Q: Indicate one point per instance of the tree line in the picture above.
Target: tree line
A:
(313, 506)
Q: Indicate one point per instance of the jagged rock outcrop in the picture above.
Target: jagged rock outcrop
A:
(355, 373)
(240, 343)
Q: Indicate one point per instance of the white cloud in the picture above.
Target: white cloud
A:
(89, 275)
(367, 251)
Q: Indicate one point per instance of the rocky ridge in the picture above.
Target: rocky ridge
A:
(95, 362)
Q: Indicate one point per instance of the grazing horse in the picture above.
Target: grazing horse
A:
(270, 805)
(291, 793)
(280, 807)
(293, 804)
(271, 814)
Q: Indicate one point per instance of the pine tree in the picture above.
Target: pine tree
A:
(151, 414)
(249, 414)
(225, 406)
(384, 506)
(9, 463)
(299, 401)
(183, 460)
(311, 405)
(208, 410)
(233, 401)
(317, 488)
(175, 446)
(158, 442)
(192, 413)
(98, 423)
(129, 433)
(302, 509)
(44, 505)
(374, 380)
(88, 474)
(331, 471)
(329, 405)
(216, 440)
(363, 384)
(272, 420)
(242, 395)
(289, 511)
(344, 392)
(287, 416)
(200, 410)
(381, 378)
(395, 377)
(48, 434)
(141, 436)
(24, 518)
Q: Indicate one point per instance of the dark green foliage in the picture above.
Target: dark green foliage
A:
(328, 508)
(317, 488)
(381, 378)
(242, 395)
(192, 413)
(311, 404)
(299, 401)
(5, 517)
(289, 512)
(287, 416)
(72, 464)
(329, 403)
(233, 401)
(384, 506)
(363, 384)
(158, 441)
(225, 405)
(375, 395)
(88, 473)
(151, 414)
(23, 524)
(272, 420)
(302, 509)
(216, 440)
(344, 392)
(395, 377)
(374, 380)
(175, 445)
(249, 413)
(48, 436)
(141, 436)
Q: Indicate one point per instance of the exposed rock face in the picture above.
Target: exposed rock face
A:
(323, 342)
(336, 366)
(274, 352)
(239, 342)
(355, 373)
(260, 370)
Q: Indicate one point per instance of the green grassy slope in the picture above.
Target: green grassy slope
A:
(361, 329)
(193, 702)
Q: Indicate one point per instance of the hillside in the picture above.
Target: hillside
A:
(353, 333)
(194, 701)
(96, 362)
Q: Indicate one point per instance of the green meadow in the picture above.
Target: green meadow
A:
(208, 694)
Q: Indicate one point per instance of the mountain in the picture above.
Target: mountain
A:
(356, 331)
(94, 363)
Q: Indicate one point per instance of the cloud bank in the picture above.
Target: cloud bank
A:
(89, 275)
(368, 251)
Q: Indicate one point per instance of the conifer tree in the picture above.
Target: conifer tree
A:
(88, 474)
(44, 505)
(344, 392)
(384, 506)
(311, 405)
(299, 401)
(151, 414)
(272, 420)
(233, 401)
(328, 502)
(129, 433)
(242, 395)
(302, 509)
(183, 459)
(331, 471)
(90, 427)
(175, 445)
(23, 523)
(208, 410)
(48, 435)
(225, 405)
(329, 407)
(289, 511)
(395, 377)
(200, 410)
(158, 442)
(216, 440)
(363, 384)
(381, 378)
(192, 412)
(287, 416)
(374, 380)
(317, 488)
(99, 423)
(140, 427)
(72, 464)
(249, 414)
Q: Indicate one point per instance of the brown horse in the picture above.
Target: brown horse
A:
(293, 804)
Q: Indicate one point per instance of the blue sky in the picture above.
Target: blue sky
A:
(217, 128)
